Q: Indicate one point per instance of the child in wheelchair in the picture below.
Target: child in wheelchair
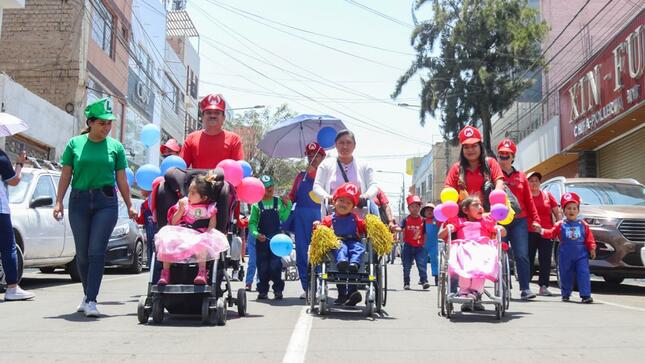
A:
(349, 228)
(473, 255)
(190, 235)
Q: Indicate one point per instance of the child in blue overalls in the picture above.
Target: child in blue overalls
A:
(577, 245)
(349, 229)
(432, 241)
(264, 223)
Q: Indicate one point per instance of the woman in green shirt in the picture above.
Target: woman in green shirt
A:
(90, 162)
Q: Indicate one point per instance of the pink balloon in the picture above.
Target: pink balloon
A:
(438, 213)
(250, 190)
(497, 197)
(233, 172)
(499, 211)
(450, 209)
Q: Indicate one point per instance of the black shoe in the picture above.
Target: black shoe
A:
(341, 300)
(353, 267)
(565, 298)
(354, 299)
(466, 308)
(426, 285)
(277, 296)
(342, 266)
(587, 300)
(263, 296)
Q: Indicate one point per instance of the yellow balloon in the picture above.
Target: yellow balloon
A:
(314, 197)
(509, 218)
(449, 194)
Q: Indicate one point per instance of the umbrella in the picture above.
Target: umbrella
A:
(288, 138)
(11, 125)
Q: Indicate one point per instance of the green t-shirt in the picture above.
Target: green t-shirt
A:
(93, 163)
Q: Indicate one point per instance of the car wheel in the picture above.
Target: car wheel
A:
(137, 260)
(47, 270)
(20, 258)
(614, 280)
(73, 271)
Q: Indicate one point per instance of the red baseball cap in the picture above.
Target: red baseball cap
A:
(410, 199)
(348, 190)
(212, 102)
(314, 148)
(170, 145)
(469, 135)
(507, 145)
(570, 197)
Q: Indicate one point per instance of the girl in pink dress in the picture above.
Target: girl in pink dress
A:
(473, 255)
(190, 235)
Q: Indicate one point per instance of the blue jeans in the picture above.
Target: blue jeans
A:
(92, 216)
(303, 220)
(420, 256)
(518, 234)
(8, 250)
(250, 268)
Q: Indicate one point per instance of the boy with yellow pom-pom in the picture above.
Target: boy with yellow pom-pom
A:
(349, 229)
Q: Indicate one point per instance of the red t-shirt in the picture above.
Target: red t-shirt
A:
(519, 185)
(413, 231)
(474, 178)
(202, 151)
(544, 203)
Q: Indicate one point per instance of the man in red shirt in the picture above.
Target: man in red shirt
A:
(413, 227)
(204, 149)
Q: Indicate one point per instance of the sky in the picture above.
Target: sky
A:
(273, 63)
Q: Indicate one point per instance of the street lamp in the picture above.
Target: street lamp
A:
(402, 202)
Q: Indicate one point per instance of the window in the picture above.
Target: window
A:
(609, 193)
(102, 24)
(17, 193)
(172, 93)
(44, 188)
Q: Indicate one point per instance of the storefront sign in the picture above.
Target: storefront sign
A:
(140, 95)
(610, 84)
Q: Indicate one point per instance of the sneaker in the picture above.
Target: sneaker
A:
(263, 296)
(565, 298)
(17, 294)
(234, 275)
(587, 300)
(406, 287)
(202, 277)
(342, 266)
(277, 296)
(248, 287)
(426, 285)
(303, 296)
(527, 295)
(91, 311)
(81, 306)
(544, 291)
(164, 279)
(353, 267)
(354, 299)
(341, 300)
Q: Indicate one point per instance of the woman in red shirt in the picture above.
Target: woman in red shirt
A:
(547, 208)
(474, 172)
(518, 229)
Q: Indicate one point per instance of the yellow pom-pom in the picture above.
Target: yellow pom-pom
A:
(379, 235)
(323, 240)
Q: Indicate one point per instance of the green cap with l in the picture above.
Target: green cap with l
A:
(101, 109)
(266, 180)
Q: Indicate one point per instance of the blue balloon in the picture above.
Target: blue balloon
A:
(145, 175)
(150, 135)
(130, 174)
(172, 161)
(246, 168)
(281, 245)
(326, 137)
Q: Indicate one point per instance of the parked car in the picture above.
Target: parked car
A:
(127, 244)
(615, 212)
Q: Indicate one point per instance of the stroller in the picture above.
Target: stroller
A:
(500, 295)
(182, 296)
(371, 275)
(289, 267)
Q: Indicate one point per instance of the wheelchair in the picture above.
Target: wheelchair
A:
(182, 296)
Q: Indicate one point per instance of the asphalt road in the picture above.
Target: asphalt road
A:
(48, 329)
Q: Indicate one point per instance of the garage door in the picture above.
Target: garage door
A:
(624, 158)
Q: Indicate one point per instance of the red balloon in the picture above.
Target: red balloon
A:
(250, 190)
(450, 209)
(233, 172)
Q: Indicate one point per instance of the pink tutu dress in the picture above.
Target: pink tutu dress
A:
(473, 255)
(182, 243)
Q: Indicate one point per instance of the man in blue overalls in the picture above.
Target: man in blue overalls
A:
(265, 221)
(306, 210)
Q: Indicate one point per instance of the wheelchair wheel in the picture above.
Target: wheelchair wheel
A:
(220, 311)
(506, 278)
(313, 283)
(157, 310)
(381, 285)
(322, 303)
(206, 312)
(241, 302)
(143, 313)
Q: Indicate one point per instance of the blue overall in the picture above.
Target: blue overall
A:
(306, 212)
(351, 248)
(269, 266)
(573, 259)
(432, 245)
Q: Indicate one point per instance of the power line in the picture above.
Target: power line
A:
(382, 15)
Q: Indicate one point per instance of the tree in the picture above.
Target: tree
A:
(485, 50)
(252, 126)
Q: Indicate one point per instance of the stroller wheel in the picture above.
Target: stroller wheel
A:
(241, 302)
(157, 310)
(206, 311)
(499, 311)
(142, 313)
(220, 311)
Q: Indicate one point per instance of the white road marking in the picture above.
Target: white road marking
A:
(619, 305)
(297, 348)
